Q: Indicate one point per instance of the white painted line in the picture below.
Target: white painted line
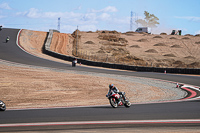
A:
(104, 122)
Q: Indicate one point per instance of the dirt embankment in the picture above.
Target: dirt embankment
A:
(33, 42)
(62, 43)
(126, 48)
(141, 49)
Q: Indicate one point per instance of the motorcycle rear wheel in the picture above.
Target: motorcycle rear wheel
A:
(113, 102)
(2, 106)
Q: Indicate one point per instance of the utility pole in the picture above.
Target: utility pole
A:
(134, 17)
(76, 40)
(58, 28)
(131, 21)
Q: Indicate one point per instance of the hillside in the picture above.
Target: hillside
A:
(141, 49)
(129, 48)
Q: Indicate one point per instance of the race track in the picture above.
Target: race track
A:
(185, 113)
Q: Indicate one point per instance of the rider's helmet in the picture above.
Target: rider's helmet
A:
(111, 86)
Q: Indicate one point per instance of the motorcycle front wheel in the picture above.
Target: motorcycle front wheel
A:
(2, 106)
(113, 102)
(127, 103)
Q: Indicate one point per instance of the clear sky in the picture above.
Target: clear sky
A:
(92, 15)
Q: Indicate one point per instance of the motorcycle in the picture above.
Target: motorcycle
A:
(113, 98)
(7, 39)
(2, 106)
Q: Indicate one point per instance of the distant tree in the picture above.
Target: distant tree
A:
(150, 20)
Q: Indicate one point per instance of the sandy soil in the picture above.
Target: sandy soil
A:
(27, 87)
(142, 49)
(62, 43)
(33, 41)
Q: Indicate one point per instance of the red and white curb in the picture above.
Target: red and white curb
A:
(181, 121)
(193, 90)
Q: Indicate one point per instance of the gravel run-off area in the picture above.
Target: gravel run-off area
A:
(25, 86)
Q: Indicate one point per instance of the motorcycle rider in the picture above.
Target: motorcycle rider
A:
(116, 91)
(7, 39)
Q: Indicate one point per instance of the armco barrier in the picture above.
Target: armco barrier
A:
(111, 65)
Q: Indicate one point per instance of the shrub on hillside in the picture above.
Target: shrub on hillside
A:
(89, 42)
(142, 40)
(157, 37)
(163, 33)
(160, 44)
(151, 51)
(176, 46)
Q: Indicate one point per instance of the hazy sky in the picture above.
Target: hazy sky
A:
(92, 15)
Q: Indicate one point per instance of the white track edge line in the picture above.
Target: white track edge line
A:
(103, 122)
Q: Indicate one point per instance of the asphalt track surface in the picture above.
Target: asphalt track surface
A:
(157, 114)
